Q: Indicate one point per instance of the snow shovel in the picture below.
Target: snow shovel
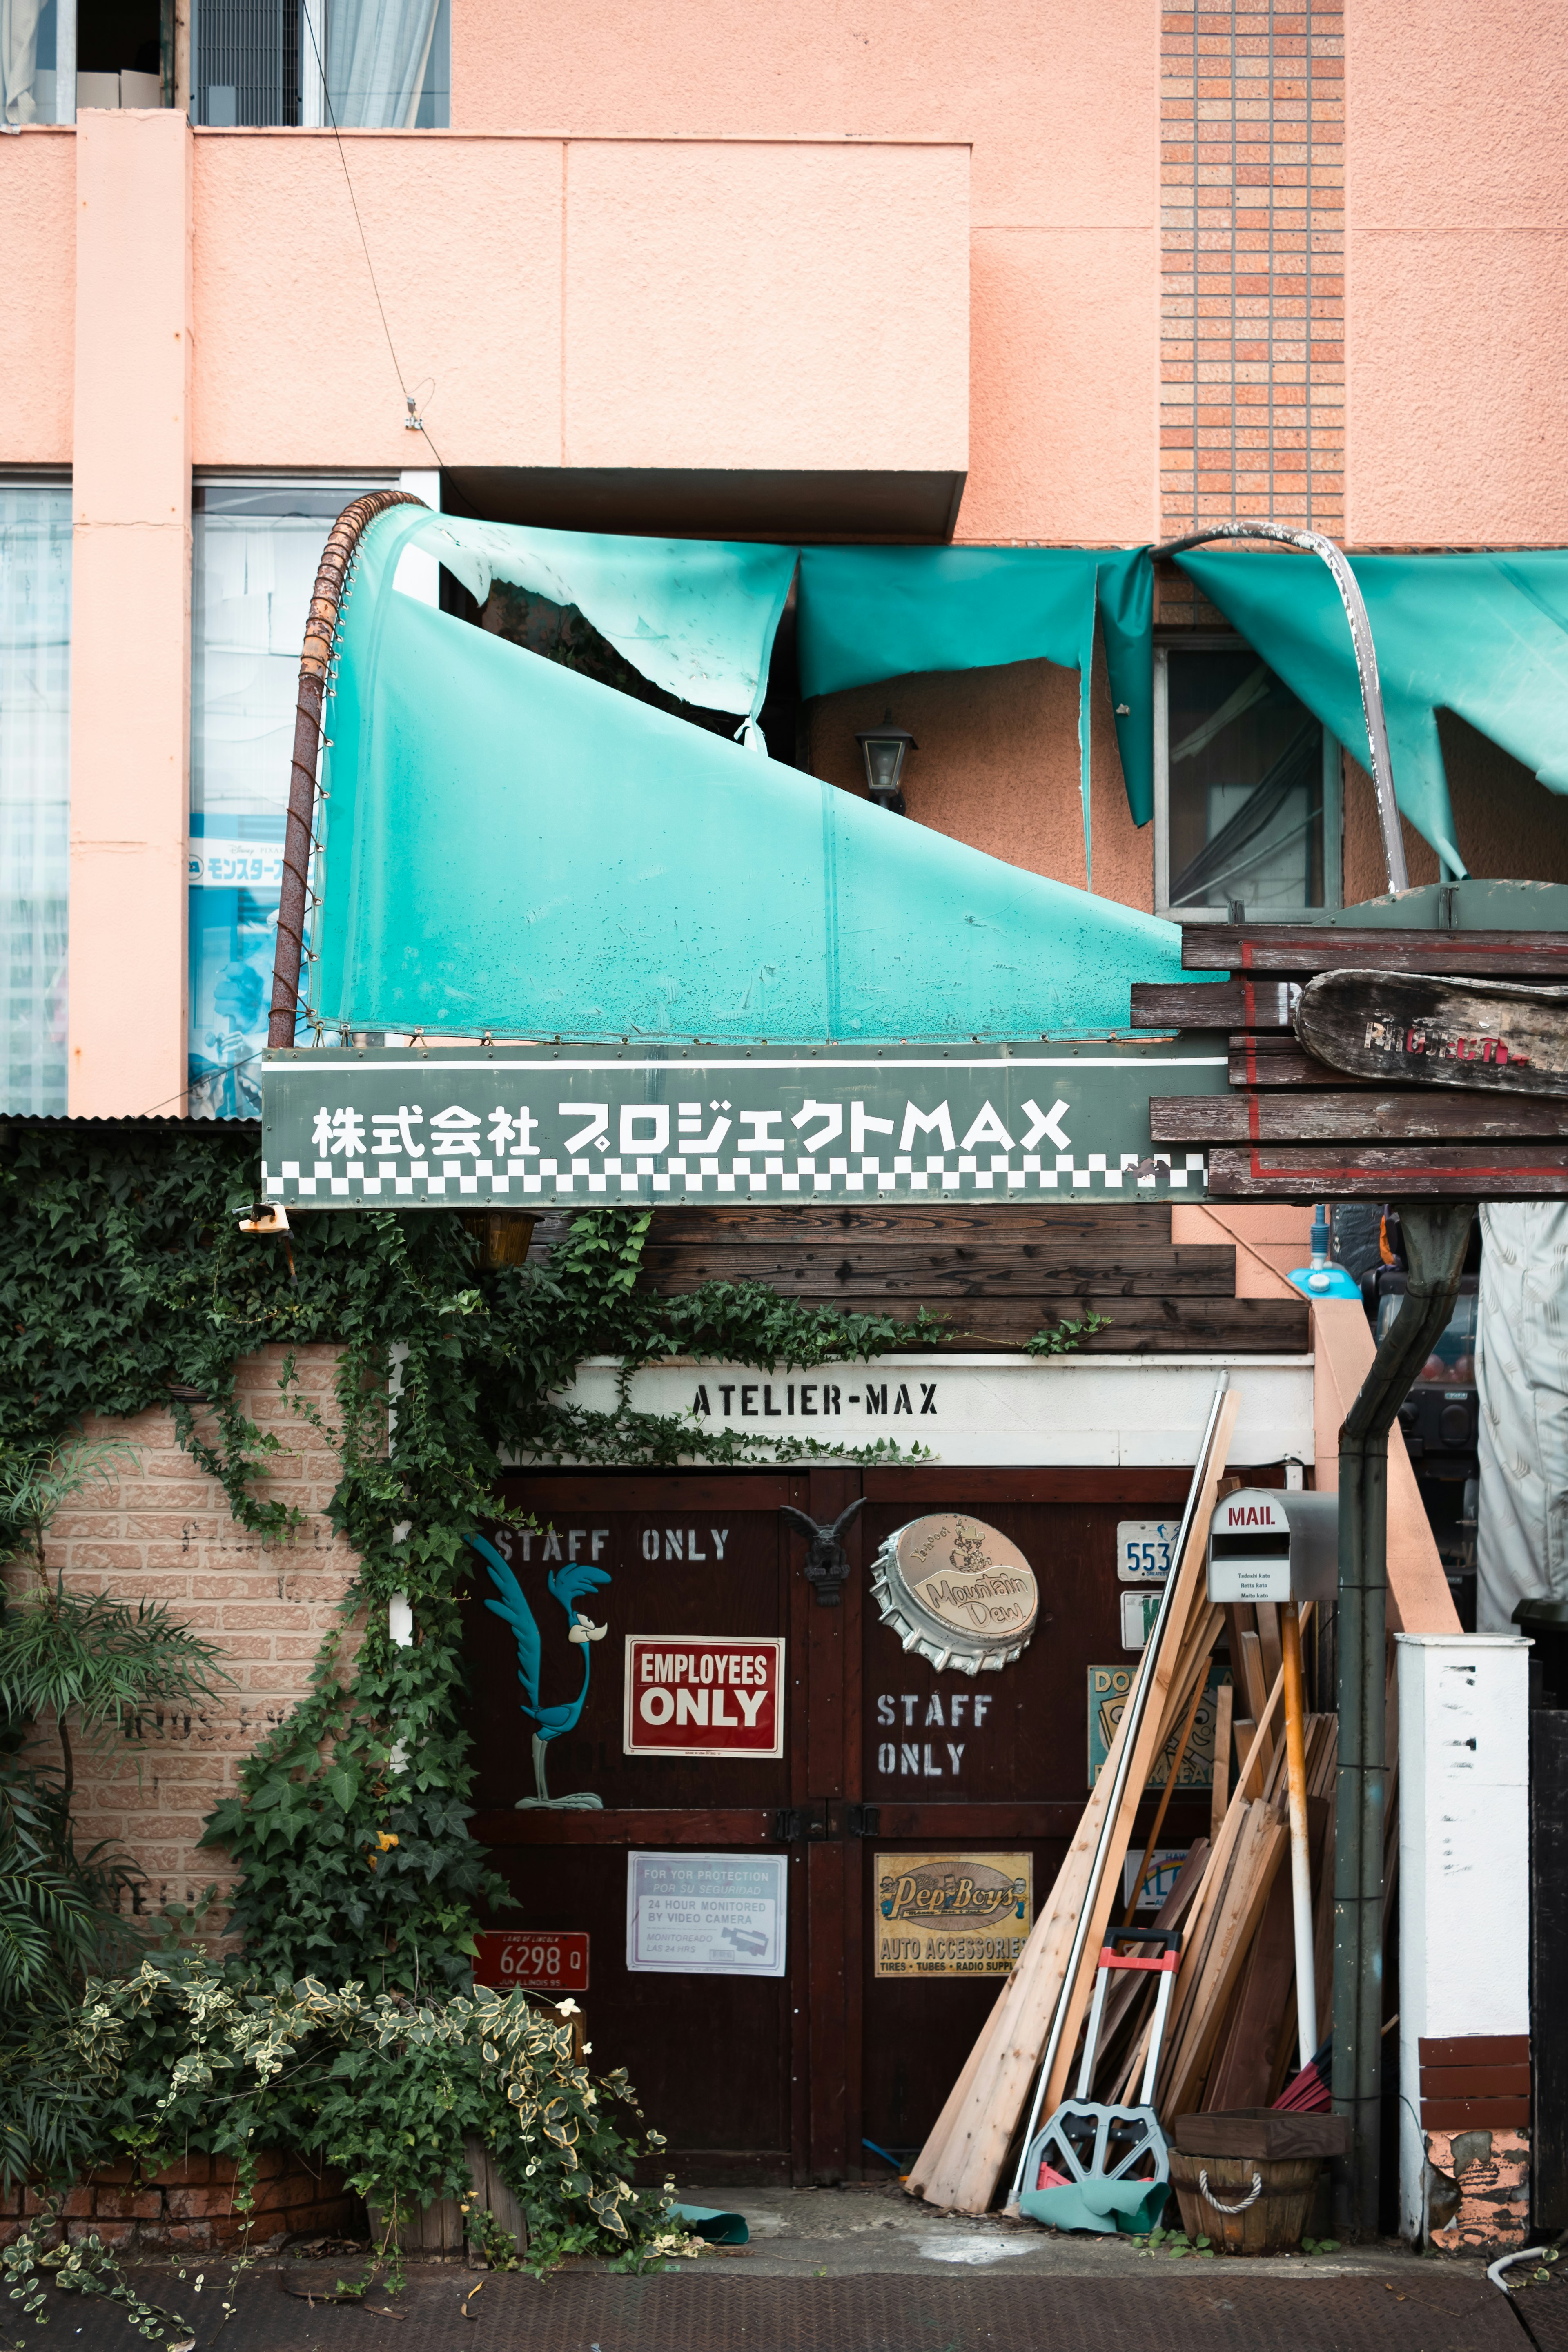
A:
(1101, 2168)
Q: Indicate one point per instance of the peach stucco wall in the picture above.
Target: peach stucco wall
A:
(131, 595)
(37, 238)
(1457, 272)
(1062, 107)
(582, 302)
(997, 766)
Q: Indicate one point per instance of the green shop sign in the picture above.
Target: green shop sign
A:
(542, 1126)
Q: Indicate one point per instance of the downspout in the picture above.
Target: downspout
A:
(299, 835)
(1436, 1236)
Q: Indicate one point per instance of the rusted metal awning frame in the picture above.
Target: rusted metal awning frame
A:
(315, 667)
(1312, 543)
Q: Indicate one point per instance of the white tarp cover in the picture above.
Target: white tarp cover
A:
(1521, 1374)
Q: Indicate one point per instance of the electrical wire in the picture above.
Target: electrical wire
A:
(364, 241)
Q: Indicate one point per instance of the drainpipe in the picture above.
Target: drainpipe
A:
(1436, 1236)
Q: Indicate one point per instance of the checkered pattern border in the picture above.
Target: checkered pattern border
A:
(681, 1176)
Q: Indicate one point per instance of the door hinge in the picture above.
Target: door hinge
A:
(862, 1821)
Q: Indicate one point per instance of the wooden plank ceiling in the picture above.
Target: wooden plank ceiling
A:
(998, 1276)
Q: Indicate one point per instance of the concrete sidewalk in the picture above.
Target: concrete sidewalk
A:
(849, 2270)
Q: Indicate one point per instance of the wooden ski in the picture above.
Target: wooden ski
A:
(1421, 1029)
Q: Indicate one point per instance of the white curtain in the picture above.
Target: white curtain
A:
(377, 51)
(18, 59)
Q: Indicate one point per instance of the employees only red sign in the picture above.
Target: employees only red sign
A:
(690, 1695)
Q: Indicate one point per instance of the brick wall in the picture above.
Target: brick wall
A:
(162, 1531)
(1253, 259)
(191, 2205)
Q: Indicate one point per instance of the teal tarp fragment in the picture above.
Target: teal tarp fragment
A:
(870, 612)
(1483, 635)
(697, 617)
(511, 846)
(717, 2229)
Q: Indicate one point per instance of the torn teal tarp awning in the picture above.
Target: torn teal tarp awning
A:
(511, 845)
(873, 613)
(695, 617)
(1483, 635)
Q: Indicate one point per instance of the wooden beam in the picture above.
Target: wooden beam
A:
(1454, 1171)
(1000, 1268)
(1306, 947)
(1275, 1057)
(1374, 1115)
(1139, 1327)
(1068, 1223)
(1212, 1005)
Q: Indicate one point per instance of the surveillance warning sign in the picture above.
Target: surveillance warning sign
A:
(693, 1695)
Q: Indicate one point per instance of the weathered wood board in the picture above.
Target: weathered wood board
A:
(1374, 1116)
(1245, 949)
(1371, 1171)
(1437, 1030)
(1278, 1058)
(1214, 1004)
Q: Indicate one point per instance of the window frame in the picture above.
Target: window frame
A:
(1218, 641)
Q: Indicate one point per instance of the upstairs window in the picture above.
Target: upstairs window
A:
(363, 65)
(1248, 800)
(34, 793)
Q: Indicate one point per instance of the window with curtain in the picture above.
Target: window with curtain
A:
(257, 548)
(1247, 789)
(367, 65)
(34, 793)
(379, 53)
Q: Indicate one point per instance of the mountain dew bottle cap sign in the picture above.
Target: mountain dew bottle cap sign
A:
(958, 1592)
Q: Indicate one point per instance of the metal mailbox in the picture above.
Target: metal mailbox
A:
(1267, 1544)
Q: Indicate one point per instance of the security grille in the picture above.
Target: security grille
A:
(247, 63)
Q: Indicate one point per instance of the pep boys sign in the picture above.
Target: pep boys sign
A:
(687, 1695)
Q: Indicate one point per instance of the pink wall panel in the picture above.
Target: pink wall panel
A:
(293, 361)
(37, 238)
(767, 304)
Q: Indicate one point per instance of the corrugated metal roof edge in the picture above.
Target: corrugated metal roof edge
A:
(147, 1123)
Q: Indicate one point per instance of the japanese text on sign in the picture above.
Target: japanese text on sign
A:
(526, 1124)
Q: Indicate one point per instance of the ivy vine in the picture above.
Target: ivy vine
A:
(125, 1282)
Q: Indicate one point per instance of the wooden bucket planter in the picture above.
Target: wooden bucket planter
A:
(436, 2230)
(1263, 2164)
(1275, 2192)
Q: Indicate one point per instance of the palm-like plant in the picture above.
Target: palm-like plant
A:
(91, 1662)
(86, 1656)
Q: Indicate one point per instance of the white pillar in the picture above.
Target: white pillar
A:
(1464, 1860)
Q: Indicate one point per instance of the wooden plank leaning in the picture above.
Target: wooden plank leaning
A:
(961, 2164)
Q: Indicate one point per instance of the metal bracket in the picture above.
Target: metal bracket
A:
(1313, 543)
(793, 1823)
(827, 1561)
(862, 1821)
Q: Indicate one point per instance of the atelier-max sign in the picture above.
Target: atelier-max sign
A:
(692, 1695)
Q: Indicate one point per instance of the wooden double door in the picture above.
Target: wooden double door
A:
(786, 2078)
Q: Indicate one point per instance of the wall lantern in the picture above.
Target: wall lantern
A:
(884, 748)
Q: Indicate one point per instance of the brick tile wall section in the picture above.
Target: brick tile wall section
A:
(1253, 263)
(191, 2205)
(162, 1531)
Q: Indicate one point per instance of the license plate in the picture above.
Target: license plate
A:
(1144, 1549)
(547, 1960)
